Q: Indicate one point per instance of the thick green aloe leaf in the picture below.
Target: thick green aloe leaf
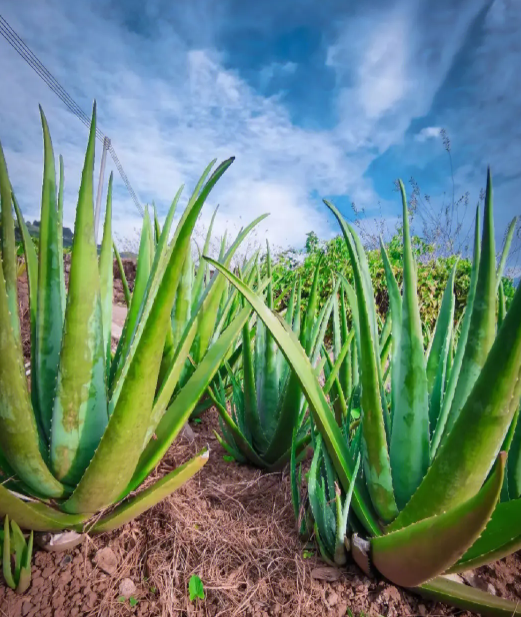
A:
(31, 261)
(182, 307)
(514, 463)
(506, 250)
(37, 516)
(282, 461)
(60, 235)
(19, 438)
(319, 330)
(106, 269)
(116, 458)
(409, 447)
(437, 364)
(253, 429)
(417, 553)
(466, 456)
(24, 578)
(286, 420)
(199, 277)
(157, 226)
(207, 316)
(17, 548)
(179, 411)
(144, 267)
(482, 328)
(443, 330)
(161, 257)
(49, 317)
(377, 465)
(295, 482)
(461, 345)
(467, 598)
(338, 392)
(339, 360)
(80, 412)
(310, 317)
(126, 290)
(323, 513)
(268, 387)
(7, 246)
(155, 266)
(314, 394)
(240, 439)
(171, 378)
(152, 495)
(502, 305)
(501, 537)
(6, 556)
(345, 373)
(158, 266)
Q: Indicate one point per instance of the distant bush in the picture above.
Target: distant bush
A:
(433, 273)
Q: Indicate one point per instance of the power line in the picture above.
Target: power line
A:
(125, 179)
(21, 48)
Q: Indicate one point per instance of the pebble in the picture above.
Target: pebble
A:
(127, 587)
(106, 560)
(332, 599)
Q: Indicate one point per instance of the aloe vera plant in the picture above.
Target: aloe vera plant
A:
(267, 405)
(80, 440)
(327, 508)
(433, 470)
(16, 556)
(204, 305)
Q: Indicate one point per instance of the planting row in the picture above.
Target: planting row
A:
(416, 466)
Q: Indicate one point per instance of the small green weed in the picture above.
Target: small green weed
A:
(195, 588)
(132, 600)
(228, 458)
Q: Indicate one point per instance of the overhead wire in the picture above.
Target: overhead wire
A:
(41, 70)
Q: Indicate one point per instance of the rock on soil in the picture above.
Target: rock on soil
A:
(127, 588)
(106, 560)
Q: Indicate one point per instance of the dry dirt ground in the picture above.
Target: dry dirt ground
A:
(233, 526)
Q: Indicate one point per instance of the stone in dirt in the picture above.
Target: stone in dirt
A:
(106, 560)
(325, 573)
(332, 598)
(188, 433)
(127, 588)
(479, 583)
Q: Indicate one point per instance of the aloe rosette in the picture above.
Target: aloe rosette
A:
(79, 440)
(16, 556)
(434, 452)
(266, 406)
(204, 306)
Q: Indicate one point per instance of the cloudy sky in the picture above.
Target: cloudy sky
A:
(329, 99)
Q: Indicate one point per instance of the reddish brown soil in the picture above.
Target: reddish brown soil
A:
(234, 527)
(129, 266)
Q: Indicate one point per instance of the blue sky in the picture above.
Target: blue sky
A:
(315, 99)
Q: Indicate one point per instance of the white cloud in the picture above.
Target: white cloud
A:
(170, 107)
(428, 132)
(166, 125)
(382, 75)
